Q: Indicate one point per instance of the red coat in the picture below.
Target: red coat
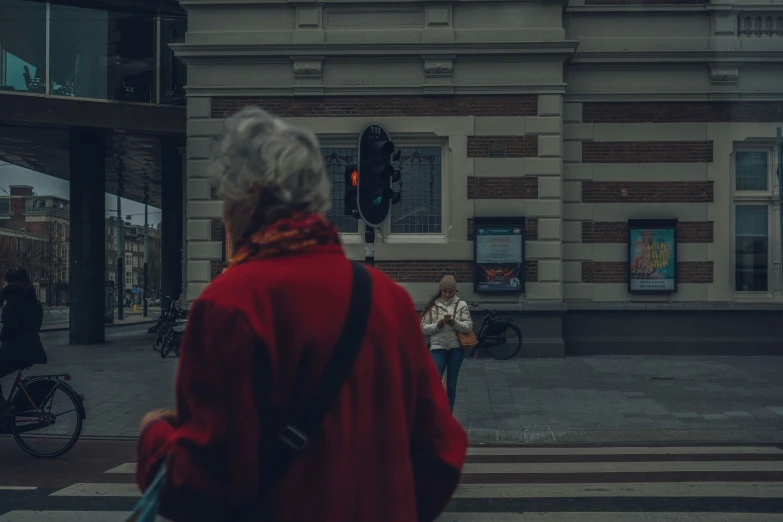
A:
(389, 450)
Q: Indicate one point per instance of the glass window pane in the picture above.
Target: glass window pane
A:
(336, 160)
(173, 72)
(103, 55)
(419, 211)
(22, 46)
(752, 171)
(751, 249)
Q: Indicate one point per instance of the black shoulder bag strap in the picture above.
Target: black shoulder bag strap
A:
(305, 423)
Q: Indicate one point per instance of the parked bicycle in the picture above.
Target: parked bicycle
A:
(500, 338)
(166, 321)
(173, 338)
(32, 400)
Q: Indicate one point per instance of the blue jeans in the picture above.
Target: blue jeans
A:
(451, 360)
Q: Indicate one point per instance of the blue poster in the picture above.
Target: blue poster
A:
(652, 259)
(499, 258)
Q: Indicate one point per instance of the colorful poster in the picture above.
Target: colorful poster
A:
(652, 259)
(499, 256)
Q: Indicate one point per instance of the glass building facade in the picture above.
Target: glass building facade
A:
(55, 50)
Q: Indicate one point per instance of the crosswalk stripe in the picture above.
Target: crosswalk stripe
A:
(625, 450)
(129, 468)
(613, 516)
(619, 467)
(641, 489)
(109, 489)
(17, 488)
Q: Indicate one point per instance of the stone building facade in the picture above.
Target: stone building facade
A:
(577, 116)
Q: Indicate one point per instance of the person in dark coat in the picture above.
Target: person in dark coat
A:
(22, 317)
(259, 338)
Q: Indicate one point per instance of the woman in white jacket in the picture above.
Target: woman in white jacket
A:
(442, 318)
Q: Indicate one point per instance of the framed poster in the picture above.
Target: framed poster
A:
(499, 255)
(652, 256)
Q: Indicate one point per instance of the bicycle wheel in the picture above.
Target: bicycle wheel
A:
(505, 345)
(165, 348)
(31, 428)
(159, 334)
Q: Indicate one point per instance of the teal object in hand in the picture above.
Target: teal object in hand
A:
(146, 509)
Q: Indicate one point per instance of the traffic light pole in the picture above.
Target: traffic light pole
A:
(369, 246)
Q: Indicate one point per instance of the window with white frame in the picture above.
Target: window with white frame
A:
(420, 210)
(753, 191)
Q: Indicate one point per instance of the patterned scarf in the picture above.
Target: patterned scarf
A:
(285, 236)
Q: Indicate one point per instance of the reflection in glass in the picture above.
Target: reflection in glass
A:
(419, 210)
(336, 160)
(22, 46)
(752, 170)
(102, 54)
(751, 249)
(173, 71)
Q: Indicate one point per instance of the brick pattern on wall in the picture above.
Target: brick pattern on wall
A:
(647, 152)
(531, 271)
(216, 232)
(531, 229)
(216, 268)
(647, 191)
(426, 271)
(646, 2)
(521, 187)
(682, 112)
(379, 106)
(694, 271)
(433, 271)
(601, 272)
(502, 146)
(617, 232)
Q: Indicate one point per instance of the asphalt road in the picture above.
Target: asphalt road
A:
(95, 483)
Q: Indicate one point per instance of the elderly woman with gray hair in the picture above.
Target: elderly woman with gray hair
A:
(259, 340)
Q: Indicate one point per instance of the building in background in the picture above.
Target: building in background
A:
(18, 248)
(46, 218)
(575, 118)
(134, 260)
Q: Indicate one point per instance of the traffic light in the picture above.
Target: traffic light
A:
(376, 174)
(351, 185)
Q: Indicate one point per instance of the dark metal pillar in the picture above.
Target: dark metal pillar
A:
(172, 221)
(88, 254)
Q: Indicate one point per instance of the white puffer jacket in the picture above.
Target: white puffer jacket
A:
(446, 337)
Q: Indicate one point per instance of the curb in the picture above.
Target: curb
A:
(113, 325)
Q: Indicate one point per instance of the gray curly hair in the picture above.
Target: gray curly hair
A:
(265, 168)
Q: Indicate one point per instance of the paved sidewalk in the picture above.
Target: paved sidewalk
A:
(584, 400)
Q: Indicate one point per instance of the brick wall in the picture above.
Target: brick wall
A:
(617, 232)
(216, 268)
(647, 152)
(426, 271)
(520, 187)
(216, 232)
(433, 271)
(379, 106)
(531, 271)
(645, 2)
(531, 229)
(600, 272)
(502, 146)
(682, 112)
(647, 191)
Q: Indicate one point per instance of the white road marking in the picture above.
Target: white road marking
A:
(129, 468)
(86, 489)
(17, 488)
(593, 450)
(622, 467)
(647, 489)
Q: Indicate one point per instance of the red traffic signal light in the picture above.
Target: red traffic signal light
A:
(355, 178)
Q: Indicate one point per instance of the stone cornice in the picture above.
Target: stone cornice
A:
(186, 3)
(378, 90)
(193, 54)
(584, 97)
